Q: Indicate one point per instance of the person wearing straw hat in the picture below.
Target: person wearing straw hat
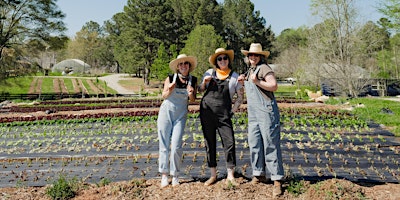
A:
(178, 89)
(263, 119)
(219, 85)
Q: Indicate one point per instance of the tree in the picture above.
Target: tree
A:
(243, 26)
(28, 19)
(373, 39)
(202, 42)
(391, 9)
(85, 44)
(291, 46)
(160, 66)
(147, 24)
(334, 45)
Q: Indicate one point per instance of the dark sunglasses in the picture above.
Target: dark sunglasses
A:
(184, 63)
(253, 54)
(220, 58)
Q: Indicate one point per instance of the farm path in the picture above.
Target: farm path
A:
(112, 82)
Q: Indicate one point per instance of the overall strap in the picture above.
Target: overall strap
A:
(257, 69)
(174, 78)
(190, 80)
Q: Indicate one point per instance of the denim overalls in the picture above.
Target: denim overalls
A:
(264, 133)
(215, 115)
(171, 124)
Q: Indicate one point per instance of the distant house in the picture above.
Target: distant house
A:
(71, 66)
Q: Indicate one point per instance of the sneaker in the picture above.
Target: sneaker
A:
(210, 181)
(175, 181)
(164, 181)
(277, 191)
(259, 179)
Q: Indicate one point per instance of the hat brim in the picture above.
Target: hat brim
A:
(173, 65)
(264, 53)
(212, 59)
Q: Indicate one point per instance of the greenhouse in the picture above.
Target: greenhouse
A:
(71, 66)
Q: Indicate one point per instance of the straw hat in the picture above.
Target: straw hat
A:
(212, 59)
(256, 49)
(173, 65)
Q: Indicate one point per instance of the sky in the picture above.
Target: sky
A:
(280, 14)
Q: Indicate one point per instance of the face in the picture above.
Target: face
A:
(184, 68)
(223, 61)
(254, 58)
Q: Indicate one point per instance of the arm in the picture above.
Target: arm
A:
(192, 92)
(168, 87)
(204, 83)
(269, 83)
(239, 100)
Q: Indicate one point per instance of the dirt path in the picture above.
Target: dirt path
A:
(112, 82)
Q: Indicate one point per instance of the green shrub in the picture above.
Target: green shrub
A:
(296, 187)
(61, 189)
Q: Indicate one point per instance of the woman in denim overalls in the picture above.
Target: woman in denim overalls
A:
(178, 88)
(220, 85)
(263, 118)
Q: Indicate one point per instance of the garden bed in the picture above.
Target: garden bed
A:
(326, 145)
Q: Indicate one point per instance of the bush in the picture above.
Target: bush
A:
(61, 189)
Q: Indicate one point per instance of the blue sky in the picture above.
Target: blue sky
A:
(280, 14)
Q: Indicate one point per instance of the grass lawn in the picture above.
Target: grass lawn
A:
(379, 110)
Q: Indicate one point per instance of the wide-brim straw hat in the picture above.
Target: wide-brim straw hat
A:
(213, 58)
(256, 48)
(173, 65)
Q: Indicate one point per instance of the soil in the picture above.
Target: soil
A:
(195, 189)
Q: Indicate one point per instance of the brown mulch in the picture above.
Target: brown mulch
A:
(191, 189)
(195, 189)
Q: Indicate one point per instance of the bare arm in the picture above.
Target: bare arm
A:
(168, 87)
(269, 83)
(192, 92)
(239, 100)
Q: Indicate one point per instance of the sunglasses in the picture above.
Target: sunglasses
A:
(253, 54)
(184, 63)
(224, 58)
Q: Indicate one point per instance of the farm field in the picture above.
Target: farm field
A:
(319, 144)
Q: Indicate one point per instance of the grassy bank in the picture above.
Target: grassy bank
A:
(378, 110)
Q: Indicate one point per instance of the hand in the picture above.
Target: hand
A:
(254, 78)
(207, 79)
(241, 79)
(171, 86)
(190, 89)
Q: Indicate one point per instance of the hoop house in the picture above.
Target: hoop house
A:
(71, 65)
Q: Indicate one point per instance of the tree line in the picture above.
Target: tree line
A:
(143, 38)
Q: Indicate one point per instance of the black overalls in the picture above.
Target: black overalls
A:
(215, 115)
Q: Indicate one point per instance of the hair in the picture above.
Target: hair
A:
(263, 60)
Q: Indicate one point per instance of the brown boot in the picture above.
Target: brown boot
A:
(259, 179)
(277, 191)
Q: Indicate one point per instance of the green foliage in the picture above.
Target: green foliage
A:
(390, 8)
(28, 19)
(160, 67)
(61, 189)
(202, 42)
(103, 182)
(296, 187)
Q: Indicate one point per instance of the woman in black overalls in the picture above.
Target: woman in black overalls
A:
(220, 85)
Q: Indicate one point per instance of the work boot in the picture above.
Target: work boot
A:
(259, 179)
(277, 191)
